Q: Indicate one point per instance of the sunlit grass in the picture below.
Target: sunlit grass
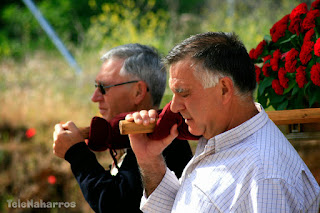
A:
(39, 92)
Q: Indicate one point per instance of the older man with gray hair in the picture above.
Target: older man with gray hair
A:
(132, 78)
(243, 163)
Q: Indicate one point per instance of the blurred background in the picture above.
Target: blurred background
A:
(38, 88)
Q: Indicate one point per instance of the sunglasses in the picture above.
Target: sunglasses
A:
(103, 88)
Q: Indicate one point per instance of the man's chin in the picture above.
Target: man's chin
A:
(194, 131)
(104, 114)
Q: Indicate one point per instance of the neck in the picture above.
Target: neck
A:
(146, 104)
(231, 115)
(241, 112)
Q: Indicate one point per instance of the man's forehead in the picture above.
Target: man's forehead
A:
(181, 72)
(105, 76)
(182, 77)
(178, 84)
(110, 71)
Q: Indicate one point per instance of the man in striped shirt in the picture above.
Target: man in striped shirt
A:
(243, 163)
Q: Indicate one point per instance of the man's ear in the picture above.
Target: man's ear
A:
(140, 92)
(227, 89)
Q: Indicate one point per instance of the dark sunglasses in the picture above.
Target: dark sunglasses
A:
(102, 87)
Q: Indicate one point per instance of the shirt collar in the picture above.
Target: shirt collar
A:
(235, 135)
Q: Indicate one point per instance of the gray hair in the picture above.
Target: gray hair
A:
(206, 77)
(142, 63)
(211, 79)
(216, 55)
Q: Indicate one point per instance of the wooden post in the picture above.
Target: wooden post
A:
(295, 116)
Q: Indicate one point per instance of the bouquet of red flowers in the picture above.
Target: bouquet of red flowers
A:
(287, 61)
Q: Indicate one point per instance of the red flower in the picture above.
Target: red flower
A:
(291, 61)
(315, 4)
(294, 63)
(309, 21)
(266, 65)
(284, 55)
(265, 69)
(306, 52)
(295, 20)
(317, 47)
(277, 87)
(278, 30)
(299, 10)
(251, 54)
(301, 76)
(258, 72)
(275, 60)
(295, 25)
(283, 80)
(30, 132)
(315, 74)
(258, 51)
(52, 179)
(309, 35)
(266, 58)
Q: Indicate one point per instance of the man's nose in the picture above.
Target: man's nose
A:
(96, 96)
(176, 105)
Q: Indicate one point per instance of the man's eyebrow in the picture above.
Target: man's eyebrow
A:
(180, 90)
(101, 82)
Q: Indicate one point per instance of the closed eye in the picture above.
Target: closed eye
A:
(184, 95)
(182, 92)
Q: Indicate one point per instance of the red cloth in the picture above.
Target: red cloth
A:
(106, 135)
(166, 120)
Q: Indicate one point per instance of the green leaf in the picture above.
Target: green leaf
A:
(316, 29)
(290, 86)
(314, 96)
(289, 39)
(277, 99)
(283, 105)
(263, 100)
(312, 62)
(264, 84)
(267, 38)
(306, 89)
(295, 90)
(297, 101)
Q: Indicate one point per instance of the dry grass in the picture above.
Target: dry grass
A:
(39, 92)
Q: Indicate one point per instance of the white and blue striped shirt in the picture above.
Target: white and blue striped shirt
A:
(250, 168)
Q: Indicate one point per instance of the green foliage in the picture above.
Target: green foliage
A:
(105, 23)
(128, 22)
(251, 20)
(20, 32)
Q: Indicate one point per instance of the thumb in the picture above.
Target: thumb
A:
(70, 126)
(74, 131)
(173, 134)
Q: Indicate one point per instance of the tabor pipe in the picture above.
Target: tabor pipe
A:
(130, 127)
(125, 127)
